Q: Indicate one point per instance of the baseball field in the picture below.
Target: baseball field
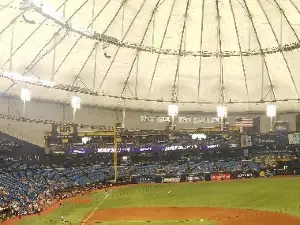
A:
(270, 201)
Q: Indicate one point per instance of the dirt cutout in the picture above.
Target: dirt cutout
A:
(223, 216)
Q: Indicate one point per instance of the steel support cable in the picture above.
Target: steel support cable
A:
(80, 71)
(118, 49)
(297, 9)
(115, 16)
(29, 36)
(282, 54)
(161, 44)
(176, 77)
(260, 47)
(222, 97)
(141, 42)
(240, 48)
(136, 75)
(10, 87)
(10, 62)
(34, 62)
(262, 78)
(93, 14)
(201, 45)
(6, 5)
(95, 66)
(116, 42)
(84, 64)
(13, 21)
(287, 20)
(153, 33)
(78, 39)
(219, 26)
(56, 33)
(5, 28)
(160, 4)
(291, 1)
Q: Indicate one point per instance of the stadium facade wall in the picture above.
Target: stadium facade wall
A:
(93, 115)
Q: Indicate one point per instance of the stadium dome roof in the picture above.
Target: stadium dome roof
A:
(152, 52)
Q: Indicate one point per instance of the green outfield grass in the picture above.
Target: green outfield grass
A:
(278, 194)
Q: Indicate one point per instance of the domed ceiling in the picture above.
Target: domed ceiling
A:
(243, 53)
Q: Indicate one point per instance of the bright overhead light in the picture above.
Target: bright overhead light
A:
(25, 95)
(221, 111)
(172, 110)
(271, 110)
(76, 102)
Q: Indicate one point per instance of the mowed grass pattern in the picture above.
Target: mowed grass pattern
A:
(275, 194)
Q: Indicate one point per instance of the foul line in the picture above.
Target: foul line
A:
(97, 207)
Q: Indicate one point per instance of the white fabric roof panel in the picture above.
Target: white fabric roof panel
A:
(34, 51)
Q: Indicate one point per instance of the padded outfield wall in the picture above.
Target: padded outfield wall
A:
(108, 117)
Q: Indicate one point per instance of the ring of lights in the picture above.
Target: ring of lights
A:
(93, 35)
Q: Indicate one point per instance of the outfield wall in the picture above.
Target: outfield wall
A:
(215, 176)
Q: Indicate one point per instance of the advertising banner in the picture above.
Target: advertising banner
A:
(147, 119)
(240, 175)
(281, 126)
(195, 178)
(64, 130)
(148, 148)
(246, 141)
(279, 139)
(163, 119)
(146, 180)
(294, 139)
(124, 180)
(220, 176)
(171, 179)
(142, 179)
(197, 120)
(187, 120)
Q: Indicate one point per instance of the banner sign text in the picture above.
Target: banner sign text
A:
(187, 120)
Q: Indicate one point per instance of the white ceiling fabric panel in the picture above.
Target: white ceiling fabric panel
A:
(259, 52)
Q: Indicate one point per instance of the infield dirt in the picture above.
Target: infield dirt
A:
(223, 216)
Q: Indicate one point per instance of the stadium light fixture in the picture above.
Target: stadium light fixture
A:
(173, 110)
(221, 111)
(25, 97)
(271, 112)
(76, 104)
